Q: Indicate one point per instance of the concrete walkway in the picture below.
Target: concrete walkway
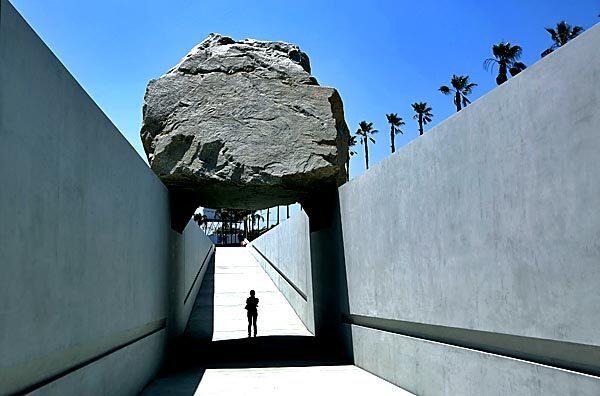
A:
(285, 359)
(236, 272)
(300, 381)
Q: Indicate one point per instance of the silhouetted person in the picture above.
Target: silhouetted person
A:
(252, 308)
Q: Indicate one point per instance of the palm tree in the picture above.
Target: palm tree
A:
(506, 57)
(461, 87)
(561, 35)
(366, 130)
(423, 114)
(351, 153)
(268, 211)
(395, 124)
(202, 220)
(256, 218)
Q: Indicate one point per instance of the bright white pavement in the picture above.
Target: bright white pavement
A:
(291, 381)
(236, 272)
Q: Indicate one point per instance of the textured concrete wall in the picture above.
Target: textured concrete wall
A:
(106, 376)
(191, 253)
(424, 367)
(284, 253)
(485, 231)
(84, 234)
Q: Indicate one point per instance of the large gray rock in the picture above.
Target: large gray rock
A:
(243, 124)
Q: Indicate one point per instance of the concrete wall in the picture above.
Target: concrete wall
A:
(284, 253)
(485, 233)
(191, 253)
(426, 367)
(85, 240)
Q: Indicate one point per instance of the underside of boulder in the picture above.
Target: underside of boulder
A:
(243, 124)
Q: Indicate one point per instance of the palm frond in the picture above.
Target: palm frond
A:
(517, 68)
(469, 88)
(576, 31)
(489, 63)
(445, 90)
(547, 51)
(498, 50)
(351, 141)
(552, 33)
(515, 52)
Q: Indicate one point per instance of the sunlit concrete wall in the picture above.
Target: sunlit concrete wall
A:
(473, 253)
(88, 262)
(284, 253)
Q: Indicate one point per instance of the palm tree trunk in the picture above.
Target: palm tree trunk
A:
(268, 210)
(366, 141)
(420, 124)
(392, 138)
(457, 101)
(502, 73)
(348, 168)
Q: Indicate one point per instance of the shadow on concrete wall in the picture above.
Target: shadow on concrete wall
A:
(328, 267)
(342, 276)
(200, 326)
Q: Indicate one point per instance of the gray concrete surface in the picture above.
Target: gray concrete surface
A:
(490, 221)
(105, 376)
(84, 237)
(295, 381)
(430, 368)
(287, 247)
(191, 255)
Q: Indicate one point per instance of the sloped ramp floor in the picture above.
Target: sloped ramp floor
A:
(215, 357)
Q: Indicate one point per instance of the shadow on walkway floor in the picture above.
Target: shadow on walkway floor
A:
(192, 358)
(268, 351)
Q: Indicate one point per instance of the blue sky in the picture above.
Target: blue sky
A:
(381, 55)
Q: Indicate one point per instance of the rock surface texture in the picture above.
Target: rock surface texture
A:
(243, 124)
